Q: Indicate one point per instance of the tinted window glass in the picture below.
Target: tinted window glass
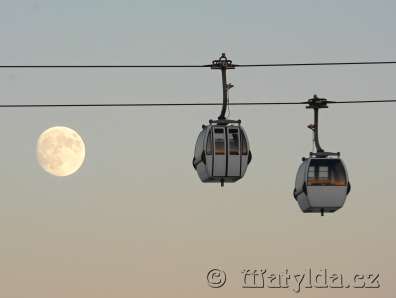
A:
(233, 140)
(209, 144)
(326, 172)
(219, 146)
(244, 144)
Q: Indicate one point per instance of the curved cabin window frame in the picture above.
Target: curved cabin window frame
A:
(233, 141)
(209, 143)
(326, 172)
(219, 140)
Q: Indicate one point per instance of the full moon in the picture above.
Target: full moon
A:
(60, 151)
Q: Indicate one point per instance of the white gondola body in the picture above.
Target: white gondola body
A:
(322, 184)
(221, 153)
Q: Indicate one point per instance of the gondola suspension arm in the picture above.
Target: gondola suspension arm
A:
(223, 64)
(316, 103)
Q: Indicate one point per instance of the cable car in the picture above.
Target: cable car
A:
(322, 184)
(222, 152)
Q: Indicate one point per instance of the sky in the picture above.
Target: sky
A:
(135, 220)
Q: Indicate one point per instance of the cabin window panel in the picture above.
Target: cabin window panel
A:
(311, 172)
(234, 142)
(338, 174)
(326, 172)
(209, 144)
(244, 144)
(219, 146)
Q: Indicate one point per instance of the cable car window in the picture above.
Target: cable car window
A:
(244, 144)
(234, 142)
(197, 144)
(311, 172)
(338, 174)
(209, 144)
(326, 172)
(219, 130)
(219, 146)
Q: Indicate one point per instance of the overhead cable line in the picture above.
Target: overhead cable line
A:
(362, 101)
(250, 103)
(317, 64)
(104, 66)
(222, 64)
(203, 65)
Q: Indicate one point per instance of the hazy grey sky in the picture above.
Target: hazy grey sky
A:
(135, 221)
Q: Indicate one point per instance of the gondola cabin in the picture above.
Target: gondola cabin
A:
(222, 152)
(322, 184)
